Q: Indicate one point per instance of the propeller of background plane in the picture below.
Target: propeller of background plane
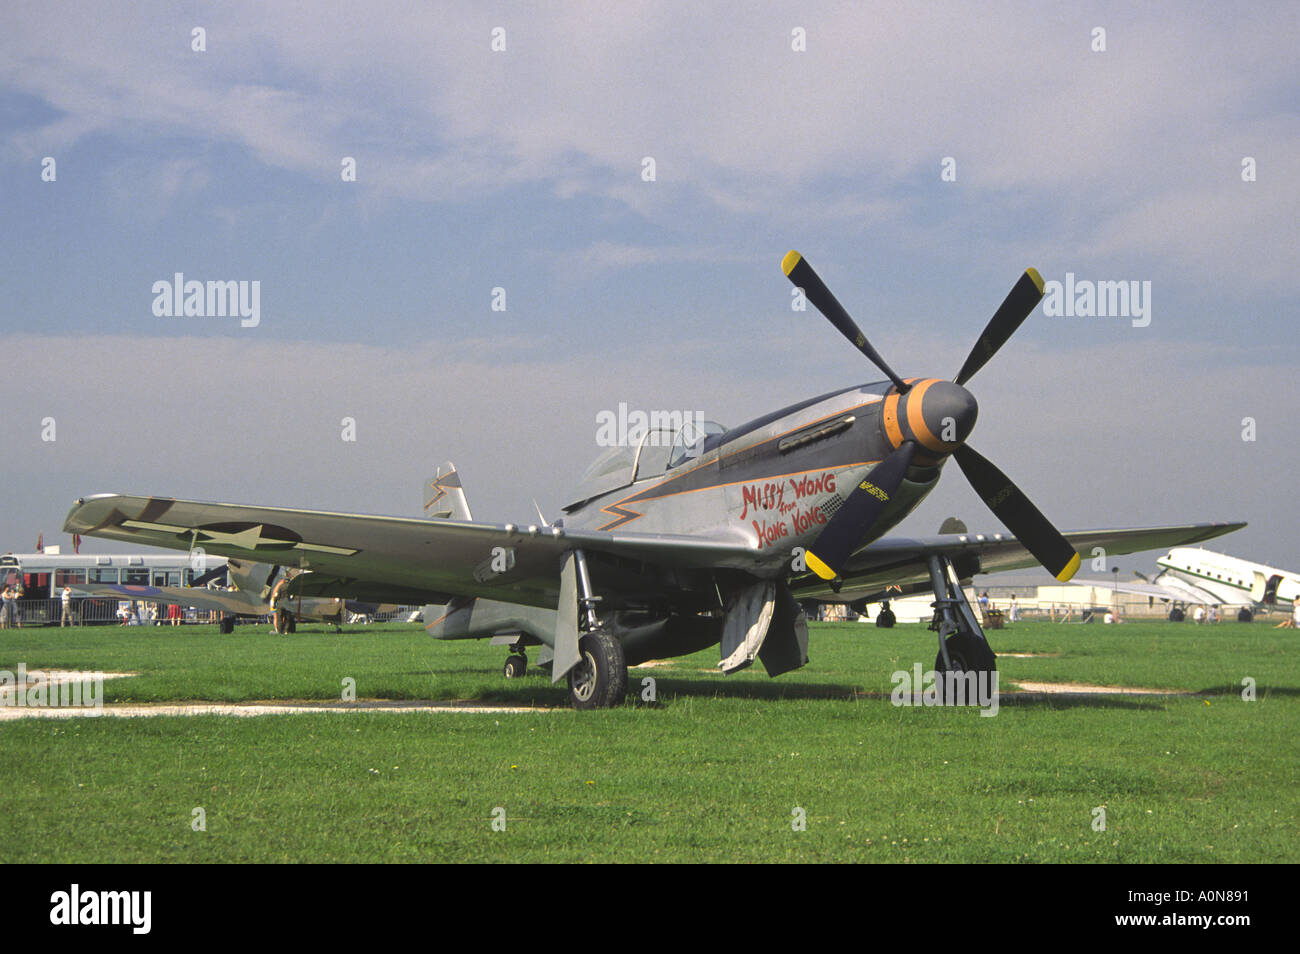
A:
(939, 401)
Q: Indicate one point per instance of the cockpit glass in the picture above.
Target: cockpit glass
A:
(690, 441)
(655, 448)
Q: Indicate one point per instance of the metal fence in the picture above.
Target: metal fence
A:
(95, 612)
(99, 612)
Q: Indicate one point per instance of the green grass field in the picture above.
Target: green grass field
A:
(720, 769)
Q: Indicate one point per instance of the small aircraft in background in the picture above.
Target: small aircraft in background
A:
(259, 589)
(677, 541)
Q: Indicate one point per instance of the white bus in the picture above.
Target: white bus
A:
(42, 576)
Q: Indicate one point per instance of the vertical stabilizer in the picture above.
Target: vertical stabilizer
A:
(444, 498)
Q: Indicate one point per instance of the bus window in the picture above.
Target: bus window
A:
(64, 576)
(135, 575)
(103, 574)
(36, 584)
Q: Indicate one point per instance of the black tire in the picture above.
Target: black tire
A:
(1244, 615)
(291, 624)
(599, 680)
(227, 625)
(515, 667)
(1176, 615)
(886, 619)
(968, 654)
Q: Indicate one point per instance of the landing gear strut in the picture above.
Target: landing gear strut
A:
(599, 678)
(962, 645)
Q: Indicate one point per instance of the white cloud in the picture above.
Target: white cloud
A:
(732, 115)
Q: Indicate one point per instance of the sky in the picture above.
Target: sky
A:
(558, 208)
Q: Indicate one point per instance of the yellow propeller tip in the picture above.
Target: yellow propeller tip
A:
(792, 258)
(1036, 278)
(1071, 568)
(818, 567)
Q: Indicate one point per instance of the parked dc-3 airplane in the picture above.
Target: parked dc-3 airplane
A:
(686, 540)
(1230, 580)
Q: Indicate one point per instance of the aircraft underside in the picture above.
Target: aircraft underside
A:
(749, 620)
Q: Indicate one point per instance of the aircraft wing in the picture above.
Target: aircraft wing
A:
(222, 600)
(900, 563)
(422, 560)
(419, 560)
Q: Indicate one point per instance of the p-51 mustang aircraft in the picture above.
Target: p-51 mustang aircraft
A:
(686, 540)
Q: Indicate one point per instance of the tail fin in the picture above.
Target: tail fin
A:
(443, 497)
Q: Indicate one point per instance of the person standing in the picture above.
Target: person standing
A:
(66, 598)
(7, 607)
(279, 617)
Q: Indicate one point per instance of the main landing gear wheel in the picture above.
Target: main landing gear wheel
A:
(227, 625)
(599, 680)
(968, 653)
(515, 666)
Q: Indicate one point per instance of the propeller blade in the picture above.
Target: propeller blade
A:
(799, 272)
(1012, 507)
(1011, 314)
(835, 544)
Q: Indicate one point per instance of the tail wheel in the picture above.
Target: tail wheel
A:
(599, 680)
(515, 666)
(968, 653)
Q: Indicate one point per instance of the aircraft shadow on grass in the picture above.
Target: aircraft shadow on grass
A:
(1261, 690)
(668, 689)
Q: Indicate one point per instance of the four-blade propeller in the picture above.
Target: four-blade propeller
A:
(846, 529)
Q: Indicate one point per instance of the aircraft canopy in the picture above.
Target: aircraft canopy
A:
(657, 450)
